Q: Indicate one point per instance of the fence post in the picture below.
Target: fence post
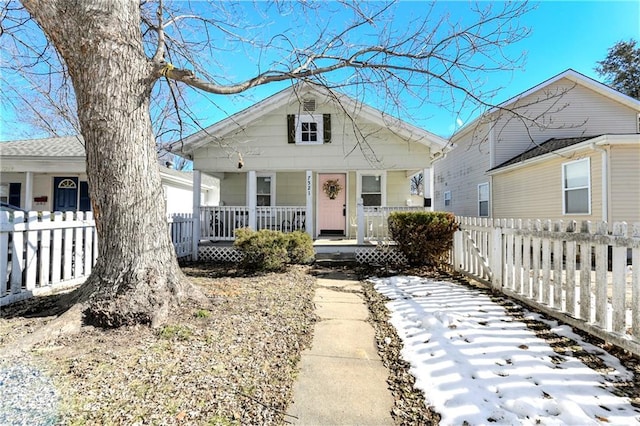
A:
(361, 224)
(496, 256)
(197, 184)
(458, 250)
(4, 250)
(618, 270)
(635, 284)
(31, 252)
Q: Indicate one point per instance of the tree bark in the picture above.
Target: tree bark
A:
(137, 277)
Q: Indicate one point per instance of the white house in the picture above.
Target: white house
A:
(50, 174)
(302, 158)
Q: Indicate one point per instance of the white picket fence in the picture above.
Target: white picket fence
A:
(43, 251)
(181, 228)
(587, 276)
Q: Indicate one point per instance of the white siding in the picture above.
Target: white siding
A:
(264, 146)
(179, 200)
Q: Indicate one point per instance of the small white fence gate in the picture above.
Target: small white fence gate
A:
(588, 277)
(40, 251)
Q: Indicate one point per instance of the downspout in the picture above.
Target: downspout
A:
(605, 180)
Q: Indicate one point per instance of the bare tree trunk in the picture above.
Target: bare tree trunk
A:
(136, 278)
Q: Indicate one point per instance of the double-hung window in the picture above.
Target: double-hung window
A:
(483, 199)
(447, 198)
(371, 187)
(265, 190)
(576, 187)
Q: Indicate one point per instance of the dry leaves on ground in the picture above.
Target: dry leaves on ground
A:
(231, 363)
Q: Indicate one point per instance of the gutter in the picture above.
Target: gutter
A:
(604, 140)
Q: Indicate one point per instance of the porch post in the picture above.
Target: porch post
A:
(197, 185)
(361, 224)
(310, 224)
(28, 192)
(252, 195)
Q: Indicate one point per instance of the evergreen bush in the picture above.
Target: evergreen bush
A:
(425, 238)
(268, 250)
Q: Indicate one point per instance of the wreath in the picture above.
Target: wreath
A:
(332, 188)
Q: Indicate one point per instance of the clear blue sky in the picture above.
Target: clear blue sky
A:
(565, 34)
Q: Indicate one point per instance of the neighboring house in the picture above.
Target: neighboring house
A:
(50, 175)
(569, 148)
(314, 151)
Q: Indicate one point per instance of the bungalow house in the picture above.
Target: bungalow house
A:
(568, 148)
(50, 174)
(305, 158)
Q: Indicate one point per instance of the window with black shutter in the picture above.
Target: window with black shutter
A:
(309, 129)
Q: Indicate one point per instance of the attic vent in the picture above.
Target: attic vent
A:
(309, 105)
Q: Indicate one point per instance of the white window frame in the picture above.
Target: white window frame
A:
(488, 200)
(565, 190)
(4, 192)
(383, 185)
(447, 198)
(310, 118)
(272, 188)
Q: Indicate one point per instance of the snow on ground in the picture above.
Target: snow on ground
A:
(478, 366)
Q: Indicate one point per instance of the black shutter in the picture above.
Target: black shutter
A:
(85, 201)
(14, 194)
(326, 127)
(291, 128)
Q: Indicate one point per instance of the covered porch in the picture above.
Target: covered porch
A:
(218, 223)
(348, 206)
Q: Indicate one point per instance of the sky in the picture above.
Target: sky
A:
(564, 34)
(479, 366)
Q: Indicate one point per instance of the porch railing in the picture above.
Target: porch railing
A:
(374, 221)
(218, 223)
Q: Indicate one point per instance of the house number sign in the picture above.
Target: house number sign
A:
(308, 186)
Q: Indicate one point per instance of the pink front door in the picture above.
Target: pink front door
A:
(332, 198)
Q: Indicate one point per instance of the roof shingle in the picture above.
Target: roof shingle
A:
(545, 147)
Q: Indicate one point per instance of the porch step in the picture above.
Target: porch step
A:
(335, 259)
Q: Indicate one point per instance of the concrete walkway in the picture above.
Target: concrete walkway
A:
(342, 380)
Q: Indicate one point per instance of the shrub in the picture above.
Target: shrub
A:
(300, 248)
(425, 238)
(268, 250)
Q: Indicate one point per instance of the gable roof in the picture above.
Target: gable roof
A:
(569, 74)
(279, 99)
(546, 147)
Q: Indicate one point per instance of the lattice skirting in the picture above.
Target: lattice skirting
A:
(219, 254)
(369, 255)
(380, 256)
